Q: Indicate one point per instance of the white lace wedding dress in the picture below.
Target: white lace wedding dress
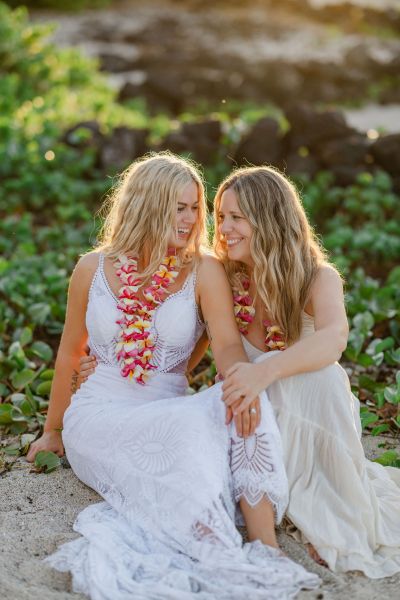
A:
(345, 505)
(170, 472)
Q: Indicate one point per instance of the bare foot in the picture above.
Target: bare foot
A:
(315, 556)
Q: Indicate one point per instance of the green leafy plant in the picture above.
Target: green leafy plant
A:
(390, 458)
(46, 461)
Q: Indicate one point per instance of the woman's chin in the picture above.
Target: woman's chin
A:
(238, 255)
(178, 244)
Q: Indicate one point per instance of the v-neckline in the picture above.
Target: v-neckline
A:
(113, 295)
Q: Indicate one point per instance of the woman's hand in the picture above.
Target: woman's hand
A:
(50, 441)
(243, 384)
(87, 365)
(246, 422)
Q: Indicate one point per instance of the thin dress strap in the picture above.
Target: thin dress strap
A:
(100, 270)
(193, 278)
(192, 284)
(101, 262)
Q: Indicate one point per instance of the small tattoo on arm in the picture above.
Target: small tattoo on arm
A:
(208, 331)
(74, 381)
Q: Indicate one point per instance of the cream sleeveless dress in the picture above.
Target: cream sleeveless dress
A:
(170, 472)
(343, 504)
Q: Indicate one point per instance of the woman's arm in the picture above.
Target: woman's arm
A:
(326, 345)
(72, 344)
(311, 353)
(216, 302)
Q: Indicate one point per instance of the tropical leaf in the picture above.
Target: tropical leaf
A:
(46, 461)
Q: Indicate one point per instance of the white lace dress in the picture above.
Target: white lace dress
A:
(345, 505)
(170, 472)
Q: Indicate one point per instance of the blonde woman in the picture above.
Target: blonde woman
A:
(169, 467)
(345, 507)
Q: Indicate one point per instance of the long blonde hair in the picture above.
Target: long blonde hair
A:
(141, 211)
(285, 250)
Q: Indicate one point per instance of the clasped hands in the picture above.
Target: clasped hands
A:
(241, 388)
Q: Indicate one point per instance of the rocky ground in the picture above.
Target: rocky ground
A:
(315, 140)
(205, 55)
(175, 53)
(37, 512)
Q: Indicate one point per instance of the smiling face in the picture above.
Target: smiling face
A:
(187, 216)
(234, 229)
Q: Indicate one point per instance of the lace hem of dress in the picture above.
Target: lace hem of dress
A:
(251, 459)
(116, 560)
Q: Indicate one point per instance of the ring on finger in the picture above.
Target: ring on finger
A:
(253, 411)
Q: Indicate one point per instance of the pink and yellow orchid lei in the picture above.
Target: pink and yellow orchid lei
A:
(243, 306)
(244, 314)
(136, 343)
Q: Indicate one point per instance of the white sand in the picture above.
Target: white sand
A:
(36, 515)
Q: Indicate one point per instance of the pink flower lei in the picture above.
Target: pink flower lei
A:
(136, 343)
(244, 314)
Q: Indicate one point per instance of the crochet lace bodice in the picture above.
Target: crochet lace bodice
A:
(176, 324)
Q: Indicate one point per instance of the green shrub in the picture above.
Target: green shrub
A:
(360, 224)
(43, 91)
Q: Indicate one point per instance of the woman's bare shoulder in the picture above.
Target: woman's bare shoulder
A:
(87, 265)
(327, 284)
(211, 275)
(210, 266)
(327, 275)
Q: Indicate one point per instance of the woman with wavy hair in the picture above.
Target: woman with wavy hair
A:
(290, 310)
(171, 471)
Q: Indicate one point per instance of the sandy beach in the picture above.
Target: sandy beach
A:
(37, 512)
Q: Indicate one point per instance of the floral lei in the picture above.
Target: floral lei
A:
(136, 343)
(244, 314)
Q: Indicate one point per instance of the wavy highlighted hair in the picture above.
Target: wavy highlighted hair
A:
(141, 211)
(284, 248)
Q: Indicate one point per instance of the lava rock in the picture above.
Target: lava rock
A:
(129, 91)
(114, 63)
(210, 130)
(309, 127)
(297, 164)
(348, 151)
(121, 147)
(386, 151)
(163, 91)
(189, 53)
(201, 140)
(261, 145)
(359, 57)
